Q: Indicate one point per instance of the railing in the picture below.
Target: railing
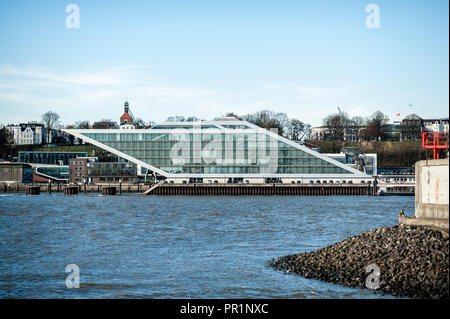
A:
(435, 141)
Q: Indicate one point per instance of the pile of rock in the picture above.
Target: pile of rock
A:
(413, 261)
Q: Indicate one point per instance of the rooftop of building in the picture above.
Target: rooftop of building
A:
(126, 115)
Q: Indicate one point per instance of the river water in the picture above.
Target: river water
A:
(134, 246)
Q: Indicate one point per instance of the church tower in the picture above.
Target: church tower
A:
(126, 120)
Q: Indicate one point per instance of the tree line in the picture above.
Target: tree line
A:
(370, 128)
(291, 128)
(337, 125)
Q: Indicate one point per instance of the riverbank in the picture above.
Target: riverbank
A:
(413, 261)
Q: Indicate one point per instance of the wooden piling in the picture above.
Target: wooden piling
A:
(33, 190)
(71, 190)
(109, 190)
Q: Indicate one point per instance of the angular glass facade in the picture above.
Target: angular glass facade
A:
(54, 172)
(237, 147)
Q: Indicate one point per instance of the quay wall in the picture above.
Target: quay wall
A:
(59, 188)
(206, 189)
(264, 190)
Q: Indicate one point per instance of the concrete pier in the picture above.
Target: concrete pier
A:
(432, 196)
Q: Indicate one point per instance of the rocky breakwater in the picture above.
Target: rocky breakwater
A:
(413, 261)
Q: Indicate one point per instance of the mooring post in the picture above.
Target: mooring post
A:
(120, 187)
(49, 187)
(375, 187)
(85, 188)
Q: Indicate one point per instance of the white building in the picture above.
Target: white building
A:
(435, 125)
(317, 133)
(322, 133)
(27, 134)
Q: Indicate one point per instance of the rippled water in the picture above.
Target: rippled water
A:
(135, 246)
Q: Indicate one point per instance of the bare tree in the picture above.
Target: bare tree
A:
(83, 125)
(375, 127)
(336, 125)
(358, 121)
(5, 136)
(380, 117)
(296, 129)
(232, 114)
(268, 119)
(291, 128)
(51, 121)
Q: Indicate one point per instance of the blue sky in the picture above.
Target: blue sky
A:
(206, 58)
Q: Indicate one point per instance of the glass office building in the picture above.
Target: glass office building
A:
(223, 148)
(58, 158)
